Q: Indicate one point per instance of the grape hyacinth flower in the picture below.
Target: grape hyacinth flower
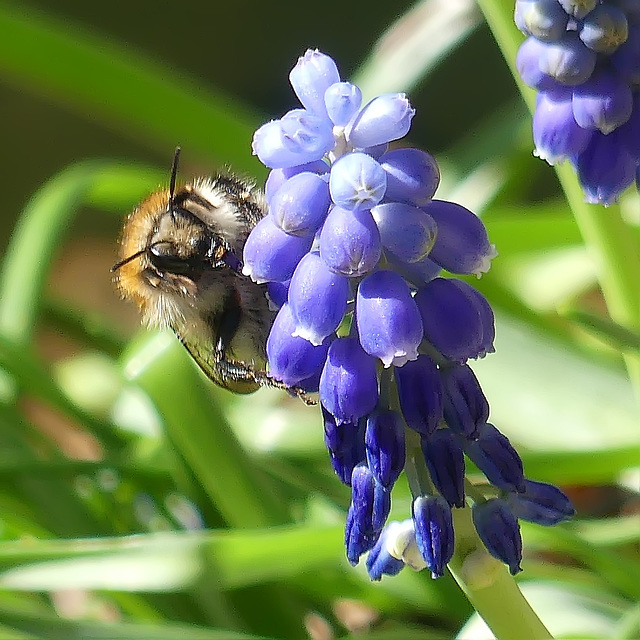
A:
(353, 250)
(583, 58)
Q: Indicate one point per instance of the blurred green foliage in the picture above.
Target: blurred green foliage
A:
(136, 501)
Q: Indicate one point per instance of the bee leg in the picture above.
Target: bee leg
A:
(237, 370)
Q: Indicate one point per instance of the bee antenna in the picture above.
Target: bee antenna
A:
(137, 254)
(174, 174)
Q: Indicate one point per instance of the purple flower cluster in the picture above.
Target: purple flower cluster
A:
(352, 251)
(583, 57)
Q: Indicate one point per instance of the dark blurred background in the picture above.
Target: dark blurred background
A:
(245, 48)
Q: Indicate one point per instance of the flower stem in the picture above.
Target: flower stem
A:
(491, 590)
(605, 234)
(417, 474)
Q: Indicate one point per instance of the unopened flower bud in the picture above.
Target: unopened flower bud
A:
(357, 182)
(348, 384)
(541, 503)
(386, 118)
(345, 443)
(444, 456)
(465, 406)
(420, 394)
(494, 455)
(568, 60)
(370, 505)
(499, 531)
(434, 532)
(384, 441)
(313, 74)
(342, 101)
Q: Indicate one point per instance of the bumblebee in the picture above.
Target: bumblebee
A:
(181, 263)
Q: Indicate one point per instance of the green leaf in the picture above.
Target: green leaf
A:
(40, 230)
(618, 570)
(579, 467)
(150, 101)
(52, 628)
(170, 561)
(236, 488)
(32, 378)
(617, 336)
(548, 398)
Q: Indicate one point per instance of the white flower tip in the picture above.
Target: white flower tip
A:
(308, 334)
(484, 262)
(248, 271)
(386, 362)
(399, 535)
(401, 358)
(550, 160)
(413, 558)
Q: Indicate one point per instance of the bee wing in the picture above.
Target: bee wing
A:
(232, 375)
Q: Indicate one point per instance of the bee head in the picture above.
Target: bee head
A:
(179, 243)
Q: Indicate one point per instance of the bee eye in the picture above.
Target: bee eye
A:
(166, 260)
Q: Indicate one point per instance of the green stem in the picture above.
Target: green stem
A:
(486, 582)
(417, 474)
(489, 587)
(603, 230)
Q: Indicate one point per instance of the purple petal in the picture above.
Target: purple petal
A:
(451, 319)
(313, 74)
(412, 175)
(556, 134)
(357, 182)
(462, 245)
(292, 359)
(318, 299)
(603, 102)
(348, 384)
(350, 242)
(388, 320)
(300, 205)
(406, 231)
(605, 168)
(384, 119)
(271, 254)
